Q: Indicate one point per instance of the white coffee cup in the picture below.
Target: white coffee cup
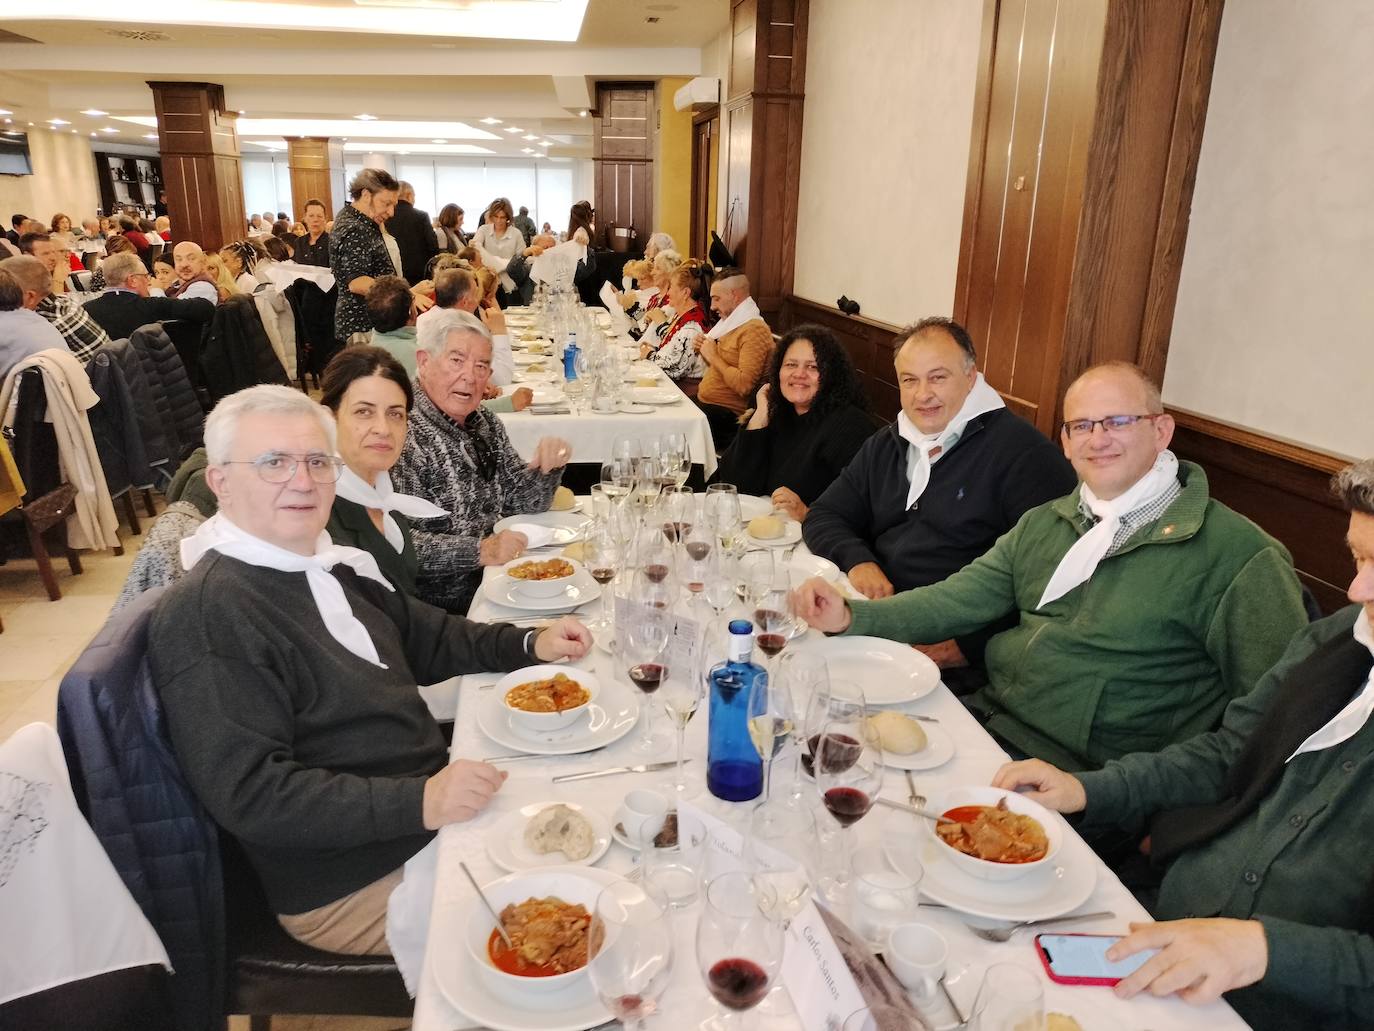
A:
(641, 815)
(916, 954)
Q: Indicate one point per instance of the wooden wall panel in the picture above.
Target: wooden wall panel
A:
(200, 163)
(312, 177)
(622, 156)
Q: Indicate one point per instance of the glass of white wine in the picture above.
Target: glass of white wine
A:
(771, 721)
(682, 691)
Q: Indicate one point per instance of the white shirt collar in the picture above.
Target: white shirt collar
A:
(1346, 723)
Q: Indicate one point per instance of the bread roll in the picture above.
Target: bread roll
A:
(766, 528)
(560, 829)
(563, 500)
(898, 733)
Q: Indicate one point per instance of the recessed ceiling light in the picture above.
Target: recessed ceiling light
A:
(526, 150)
(150, 136)
(509, 128)
(92, 134)
(366, 118)
(438, 141)
(9, 121)
(491, 121)
(58, 121)
(243, 112)
(582, 113)
(30, 125)
(5, 112)
(109, 129)
(531, 139)
(95, 112)
(546, 143)
(73, 132)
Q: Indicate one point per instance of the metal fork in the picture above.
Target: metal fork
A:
(917, 800)
(1002, 934)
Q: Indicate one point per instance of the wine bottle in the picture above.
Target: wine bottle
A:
(734, 770)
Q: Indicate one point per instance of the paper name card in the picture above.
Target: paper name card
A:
(719, 834)
(814, 972)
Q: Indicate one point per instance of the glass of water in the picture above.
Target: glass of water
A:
(883, 895)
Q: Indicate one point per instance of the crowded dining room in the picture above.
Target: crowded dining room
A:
(705, 515)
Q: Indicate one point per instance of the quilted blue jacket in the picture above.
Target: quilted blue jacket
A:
(129, 787)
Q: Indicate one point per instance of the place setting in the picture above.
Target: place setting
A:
(554, 584)
(555, 710)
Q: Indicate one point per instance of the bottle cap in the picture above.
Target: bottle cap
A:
(741, 626)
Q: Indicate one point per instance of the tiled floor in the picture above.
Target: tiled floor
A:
(40, 642)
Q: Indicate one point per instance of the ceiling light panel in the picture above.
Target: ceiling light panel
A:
(392, 147)
(381, 130)
(95, 112)
(552, 20)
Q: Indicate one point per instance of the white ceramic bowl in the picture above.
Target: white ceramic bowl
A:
(983, 868)
(564, 882)
(543, 722)
(540, 588)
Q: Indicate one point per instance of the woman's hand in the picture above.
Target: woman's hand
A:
(500, 548)
(422, 303)
(759, 420)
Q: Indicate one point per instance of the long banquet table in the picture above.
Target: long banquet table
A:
(686, 1001)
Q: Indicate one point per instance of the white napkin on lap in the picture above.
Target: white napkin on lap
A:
(536, 536)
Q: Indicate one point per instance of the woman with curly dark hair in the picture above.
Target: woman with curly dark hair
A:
(811, 418)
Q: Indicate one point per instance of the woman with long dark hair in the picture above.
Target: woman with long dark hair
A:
(811, 418)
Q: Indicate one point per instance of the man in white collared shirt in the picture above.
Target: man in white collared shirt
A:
(1264, 824)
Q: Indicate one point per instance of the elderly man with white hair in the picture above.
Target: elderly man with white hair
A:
(458, 455)
(287, 667)
(125, 303)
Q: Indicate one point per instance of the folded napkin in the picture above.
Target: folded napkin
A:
(537, 536)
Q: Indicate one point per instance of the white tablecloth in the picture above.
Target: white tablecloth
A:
(686, 1001)
(593, 434)
(284, 273)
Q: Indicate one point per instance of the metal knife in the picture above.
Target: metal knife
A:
(641, 768)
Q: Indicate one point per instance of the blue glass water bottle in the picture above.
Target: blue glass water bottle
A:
(570, 358)
(734, 770)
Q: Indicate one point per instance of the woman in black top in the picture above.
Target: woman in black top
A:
(370, 395)
(811, 417)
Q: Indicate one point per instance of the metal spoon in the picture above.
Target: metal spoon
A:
(1002, 934)
(482, 895)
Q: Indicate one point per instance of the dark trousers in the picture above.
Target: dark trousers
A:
(724, 425)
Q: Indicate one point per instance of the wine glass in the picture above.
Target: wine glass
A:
(803, 675)
(781, 850)
(739, 948)
(774, 622)
(675, 453)
(848, 765)
(830, 699)
(679, 511)
(698, 545)
(643, 641)
(653, 554)
(625, 448)
(601, 555)
(682, 690)
(646, 484)
(878, 1017)
(719, 590)
(630, 950)
(722, 511)
(771, 721)
(1011, 998)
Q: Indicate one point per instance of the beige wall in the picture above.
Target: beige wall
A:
(715, 64)
(63, 180)
(889, 103)
(672, 165)
(1274, 328)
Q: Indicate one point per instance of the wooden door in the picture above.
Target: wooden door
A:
(705, 179)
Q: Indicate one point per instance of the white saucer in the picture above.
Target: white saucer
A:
(575, 1008)
(791, 534)
(610, 716)
(568, 525)
(502, 590)
(890, 673)
(1040, 895)
(939, 750)
(506, 840)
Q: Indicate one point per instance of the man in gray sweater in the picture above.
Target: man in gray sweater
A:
(287, 667)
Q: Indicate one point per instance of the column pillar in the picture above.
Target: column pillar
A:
(762, 134)
(200, 163)
(316, 165)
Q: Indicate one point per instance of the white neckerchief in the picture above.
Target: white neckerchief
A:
(384, 498)
(745, 311)
(919, 457)
(1346, 723)
(218, 534)
(1081, 561)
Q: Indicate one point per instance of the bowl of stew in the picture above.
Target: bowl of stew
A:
(548, 915)
(541, 577)
(546, 698)
(1000, 835)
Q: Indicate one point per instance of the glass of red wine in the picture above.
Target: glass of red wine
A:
(601, 556)
(830, 699)
(848, 764)
(677, 507)
(630, 950)
(739, 947)
(643, 641)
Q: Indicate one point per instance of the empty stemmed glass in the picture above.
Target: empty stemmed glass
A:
(630, 950)
(601, 555)
(722, 512)
(771, 722)
(781, 851)
(681, 691)
(643, 643)
(848, 763)
(646, 483)
(805, 677)
(739, 947)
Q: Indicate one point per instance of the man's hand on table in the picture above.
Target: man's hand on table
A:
(945, 654)
(501, 547)
(489, 391)
(822, 606)
(869, 580)
(1051, 786)
(549, 454)
(1198, 959)
(520, 398)
(787, 501)
(459, 791)
(564, 638)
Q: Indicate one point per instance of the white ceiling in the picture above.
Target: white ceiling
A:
(420, 88)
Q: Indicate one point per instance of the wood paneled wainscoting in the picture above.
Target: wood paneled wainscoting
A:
(1283, 487)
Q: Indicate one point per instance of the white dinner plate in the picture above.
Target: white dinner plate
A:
(655, 395)
(803, 567)
(575, 1008)
(630, 408)
(791, 534)
(1040, 895)
(610, 716)
(889, 673)
(581, 589)
(567, 526)
(525, 358)
(523, 376)
(751, 506)
(506, 841)
(548, 396)
(939, 750)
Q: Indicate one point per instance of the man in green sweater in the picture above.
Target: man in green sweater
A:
(1144, 606)
(1264, 824)
(287, 667)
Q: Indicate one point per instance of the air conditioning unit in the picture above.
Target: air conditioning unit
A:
(698, 93)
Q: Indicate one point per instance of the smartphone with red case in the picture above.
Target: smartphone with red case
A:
(1082, 958)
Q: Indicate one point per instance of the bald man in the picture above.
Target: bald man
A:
(193, 276)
